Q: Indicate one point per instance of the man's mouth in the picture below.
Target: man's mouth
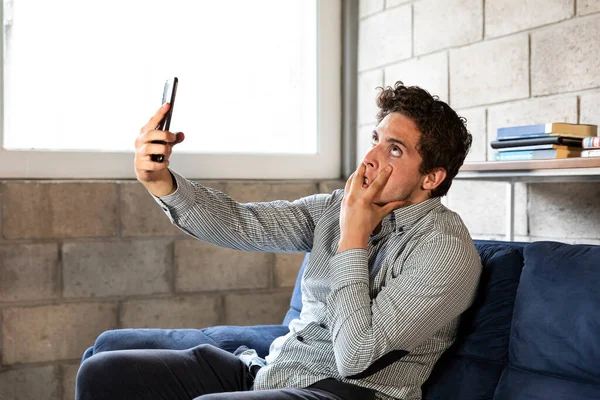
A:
(365, 182)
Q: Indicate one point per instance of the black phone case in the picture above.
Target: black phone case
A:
(169, 92)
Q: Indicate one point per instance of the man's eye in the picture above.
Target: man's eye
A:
(396, 152)
(374, 140)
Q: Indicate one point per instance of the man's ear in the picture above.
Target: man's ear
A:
(433, 179)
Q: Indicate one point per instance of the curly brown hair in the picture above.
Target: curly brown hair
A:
(445, 140)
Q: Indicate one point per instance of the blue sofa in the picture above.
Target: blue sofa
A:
(532, 333)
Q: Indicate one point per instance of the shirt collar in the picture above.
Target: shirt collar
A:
(406, 217)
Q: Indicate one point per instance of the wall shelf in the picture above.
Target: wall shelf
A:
(585, 169)
(564, 170)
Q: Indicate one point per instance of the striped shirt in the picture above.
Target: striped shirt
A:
(404, 294)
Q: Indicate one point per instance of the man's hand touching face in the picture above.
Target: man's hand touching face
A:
(359, 215)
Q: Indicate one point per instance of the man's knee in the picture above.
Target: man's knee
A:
(97, 372)
(206, 351)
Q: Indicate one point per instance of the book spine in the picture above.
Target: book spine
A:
(522, 131)
(513, 155)
(591, 153)
(591, 142)
(511, 136)
(581, 130)
(533, 147)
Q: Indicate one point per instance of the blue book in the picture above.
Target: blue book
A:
(536, 154)
(545, 130)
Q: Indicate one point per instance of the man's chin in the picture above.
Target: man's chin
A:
(382, 202)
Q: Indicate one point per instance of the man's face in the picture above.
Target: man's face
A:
(394, 142)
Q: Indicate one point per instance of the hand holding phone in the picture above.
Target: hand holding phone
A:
(169, 92)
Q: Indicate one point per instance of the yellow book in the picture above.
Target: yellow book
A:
(580, 130)
(566, 153)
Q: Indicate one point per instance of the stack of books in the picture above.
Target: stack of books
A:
(591, 147)
(542, 141)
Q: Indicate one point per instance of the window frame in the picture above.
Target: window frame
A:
(326, 164)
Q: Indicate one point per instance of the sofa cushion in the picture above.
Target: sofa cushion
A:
(471, 368)
(517, 384)
(555, 336)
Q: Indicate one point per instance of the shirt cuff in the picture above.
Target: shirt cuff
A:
(181, 200)
(349, 267)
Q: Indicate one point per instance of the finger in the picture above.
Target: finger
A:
(156, 118)
(154, 148)
(154, 135)
(348, 184)
(379, 182)
(358, 177)
(151, 166)
(179, 137)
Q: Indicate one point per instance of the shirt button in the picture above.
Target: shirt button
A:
(300, 338)
(323, 326)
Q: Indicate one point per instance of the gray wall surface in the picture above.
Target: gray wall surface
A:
(498, 63)
(79, 258)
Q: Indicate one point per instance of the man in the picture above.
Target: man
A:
(390, 272)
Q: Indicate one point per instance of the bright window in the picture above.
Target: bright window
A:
(258, 92)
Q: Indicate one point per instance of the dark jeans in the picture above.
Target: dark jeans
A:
(202, 373)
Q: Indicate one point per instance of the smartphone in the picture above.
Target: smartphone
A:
(169, 92)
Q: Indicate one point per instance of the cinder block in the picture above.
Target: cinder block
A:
(140, 214)
(292, 191)
(385, 38)
(59, 210)
(368, 82)
(55, 332)
(257, 308)
(394, 3)
(564, 57)
(489, 72)
(587, 6)
(482, 206)
(330, 186)
(204, 267)
(565, 210)
(589, 109)
(69, 373)
(28, 272)
(287, 266)
(255, 192)
(476, 120)
(40, 383)
(534, 111)
(428, 72)
(180, 312)
(368, 7)
(116, 268)
(507, 16)
(449, 23)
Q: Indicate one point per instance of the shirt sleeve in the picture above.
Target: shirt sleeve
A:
(212, 216)
(438, 282)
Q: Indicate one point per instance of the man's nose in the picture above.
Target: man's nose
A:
(371, 159)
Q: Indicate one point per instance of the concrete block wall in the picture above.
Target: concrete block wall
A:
(498, 63)
(79, 258)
